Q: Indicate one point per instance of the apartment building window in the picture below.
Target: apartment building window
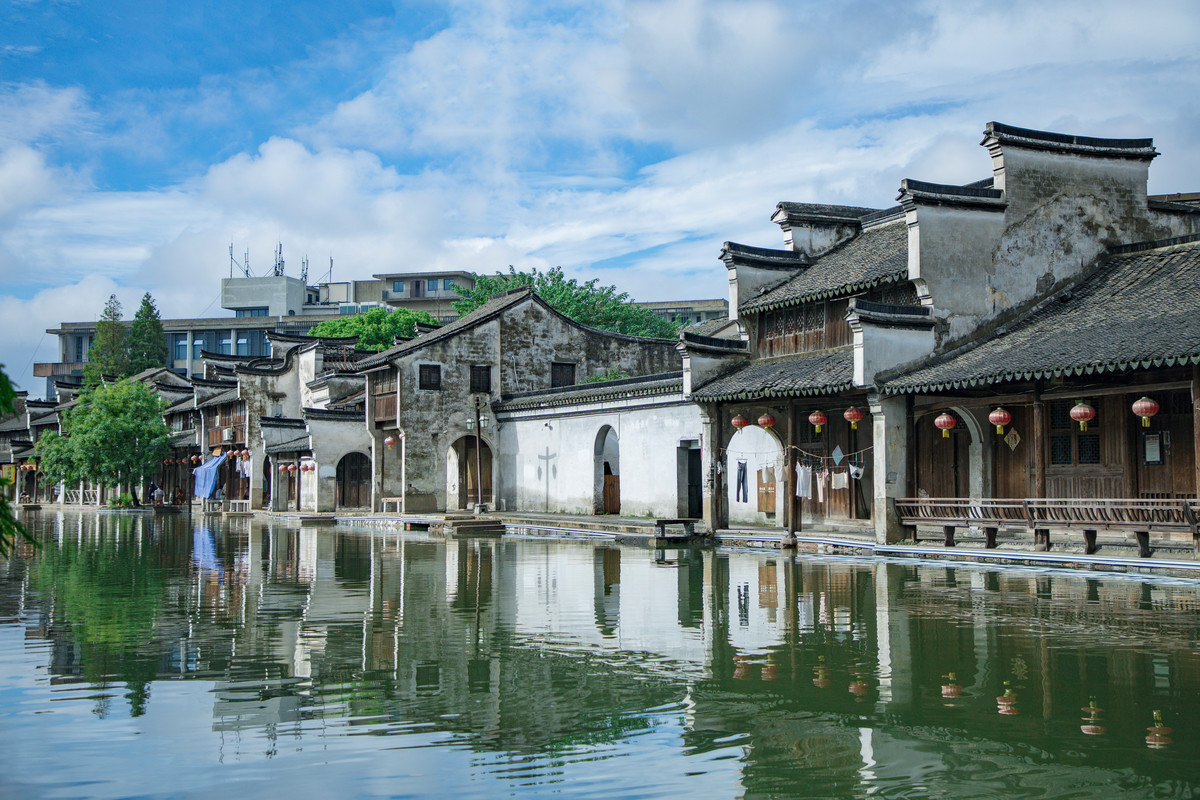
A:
(430, 377)
(448, 284)
(481, 378)
(251, 312)
(562, 374)
(78, 348)
(243, 346)
(181, 347)
(226, 346)
(398, 286)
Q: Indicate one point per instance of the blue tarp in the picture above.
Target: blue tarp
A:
(206, 476)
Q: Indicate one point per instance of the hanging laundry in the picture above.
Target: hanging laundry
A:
(821, 476)
(856, 471)
(742, 492)
(803, 480)
(841, 480)
(770, 475)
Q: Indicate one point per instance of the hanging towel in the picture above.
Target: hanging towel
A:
(770, 475)
(841, 480)
(803, 480)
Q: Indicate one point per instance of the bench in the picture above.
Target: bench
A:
(1139, 517)
(384, 502)
(689, 525)
(239, 507)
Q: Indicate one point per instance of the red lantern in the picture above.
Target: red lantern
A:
(739, 422)
(852, 415)
(999, 418)
(1081, 412)
(389, 441)
(1145, 408)
(291, 467)
(945, 421)
(283, 468)
(766, 420)
(818, 419)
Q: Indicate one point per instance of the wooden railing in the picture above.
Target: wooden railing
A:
(1139, 517)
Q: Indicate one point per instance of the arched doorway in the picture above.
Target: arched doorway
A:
(607, 472)
(943, 463)
(756, 468)
(354, 481)
(468, 477)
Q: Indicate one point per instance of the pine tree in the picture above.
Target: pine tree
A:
(109, 353)
(147, 342)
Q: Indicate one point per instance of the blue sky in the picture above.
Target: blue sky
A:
(622, 140)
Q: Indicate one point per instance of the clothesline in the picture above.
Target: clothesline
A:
(802, 451)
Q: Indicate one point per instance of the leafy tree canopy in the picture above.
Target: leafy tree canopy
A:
(10, 528)
(147, 341)
(109, 353)
(114, 435)
(375, 329)
(586, 303)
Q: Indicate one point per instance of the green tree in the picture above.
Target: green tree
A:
(147, 342)
(10, 528)
(116, 434)
(56, 458)
(586, 303)
(109, 353)
(376, 328)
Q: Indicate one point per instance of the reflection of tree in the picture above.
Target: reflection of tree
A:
(109, 595)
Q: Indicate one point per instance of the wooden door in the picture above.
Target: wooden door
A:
(766, 491)
(942, 462)
(1087, 463)
(612, 494)
(1163, 453)
(1014, 451)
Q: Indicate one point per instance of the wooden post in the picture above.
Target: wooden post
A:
(1041, 539)
(948, 532)
(1039, 446)
(1143, 543)
(1196, 422)
(1089, 540)
(789, 460)
(989, 536)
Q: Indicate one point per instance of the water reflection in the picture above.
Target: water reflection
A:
(595, 670)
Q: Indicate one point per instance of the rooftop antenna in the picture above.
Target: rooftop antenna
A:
(331, 269)
(304, 270)
(245, 268)
(278, 272)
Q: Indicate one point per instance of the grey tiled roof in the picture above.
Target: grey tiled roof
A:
(826, 372)
(878, 255)
(1137, 308)
(645, 386)
(485, 312)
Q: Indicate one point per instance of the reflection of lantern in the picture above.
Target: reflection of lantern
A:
(1145, 408)
(852, 415)
(389, 441)
(945, 421)
(999, 418)
(766, 420)
(817, 419)
(739, 422)
(1081, 412)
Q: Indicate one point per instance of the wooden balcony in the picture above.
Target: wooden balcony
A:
(1138, 517)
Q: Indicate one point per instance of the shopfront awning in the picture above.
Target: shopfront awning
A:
(206, 476)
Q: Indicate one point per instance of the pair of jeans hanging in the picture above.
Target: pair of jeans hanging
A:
(742, 492)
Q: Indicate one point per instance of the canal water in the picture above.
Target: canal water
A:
(145, 656)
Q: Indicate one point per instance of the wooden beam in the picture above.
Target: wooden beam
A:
(925, 402)
(1061, 393)
(789, 485)
(1039, 449)
(1196, 422)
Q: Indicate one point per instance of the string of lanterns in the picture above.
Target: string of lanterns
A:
(1082, 412)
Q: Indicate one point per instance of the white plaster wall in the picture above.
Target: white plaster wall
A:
(547, 464)
(759, 448)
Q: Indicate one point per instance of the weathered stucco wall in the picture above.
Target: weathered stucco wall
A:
(550, 463)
